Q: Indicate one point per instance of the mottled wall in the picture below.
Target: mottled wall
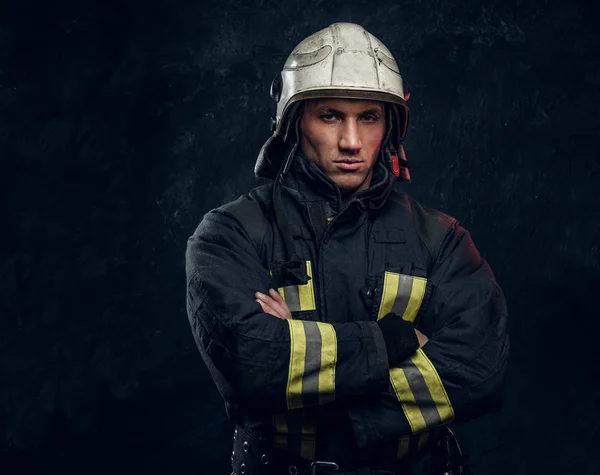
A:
(123, 122)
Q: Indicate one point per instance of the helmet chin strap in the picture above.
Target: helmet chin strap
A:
(394, 158)
(292, 270)
(399, 164)
(294, 141)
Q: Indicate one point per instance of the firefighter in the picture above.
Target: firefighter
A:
(344, 324)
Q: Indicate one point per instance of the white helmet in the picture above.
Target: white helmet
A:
(343, 61)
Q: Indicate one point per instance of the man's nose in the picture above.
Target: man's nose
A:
(350, 138)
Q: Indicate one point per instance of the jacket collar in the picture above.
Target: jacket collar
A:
(307, 183)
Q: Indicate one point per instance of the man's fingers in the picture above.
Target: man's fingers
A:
(422, 338)
(268, 309)
(282, 303)
(265, 306)
(276, 296)
(281, 308)
(270, 306)
(275, 303)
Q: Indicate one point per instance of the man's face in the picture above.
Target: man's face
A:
(342, 137)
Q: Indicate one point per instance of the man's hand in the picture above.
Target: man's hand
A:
(422, 338)
(274, 304)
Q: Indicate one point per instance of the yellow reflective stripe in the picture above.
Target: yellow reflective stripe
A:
(313, 344)
(400, 290)
(307, 447)
(390, 291)
(416, 298)
(306, 292)
(281, 441)
(411, 444)
(308, 444)
(309, 427)
(403, 446)
(296, 367)
(435, 385)
(295, 432)
(433, 407)
(423, 438)
(407, 400)
(328, 362)
(300, 297)
(281, 431)
(280, 424)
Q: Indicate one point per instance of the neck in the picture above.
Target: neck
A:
(306, 178)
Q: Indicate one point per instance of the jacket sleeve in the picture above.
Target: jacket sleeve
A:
(259, 361)
(458, 373)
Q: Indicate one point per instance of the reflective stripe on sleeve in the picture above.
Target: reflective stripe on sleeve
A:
(416, 382)
(297, 358)
(402, 294)
(328, 362)
(421, 393)
(313, 359)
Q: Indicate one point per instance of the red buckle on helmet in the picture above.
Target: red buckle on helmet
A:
(395, 165)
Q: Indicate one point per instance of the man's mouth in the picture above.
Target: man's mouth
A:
(348, 164)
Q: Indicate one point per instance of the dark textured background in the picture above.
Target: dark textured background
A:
(123, 121)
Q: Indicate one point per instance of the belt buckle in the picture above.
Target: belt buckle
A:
(329, 466)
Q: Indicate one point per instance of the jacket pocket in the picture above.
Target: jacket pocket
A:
(300, 298)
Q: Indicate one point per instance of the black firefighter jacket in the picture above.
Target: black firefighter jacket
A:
(320, 385)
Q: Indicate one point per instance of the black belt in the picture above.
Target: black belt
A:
(253, 455)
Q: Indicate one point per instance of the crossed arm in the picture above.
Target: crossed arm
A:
(250, 351)
(273, 304)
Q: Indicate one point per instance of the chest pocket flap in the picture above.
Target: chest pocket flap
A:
(389, 236)
(300, 298)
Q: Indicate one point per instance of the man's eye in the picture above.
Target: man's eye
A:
(369, 118)
(327, 117)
